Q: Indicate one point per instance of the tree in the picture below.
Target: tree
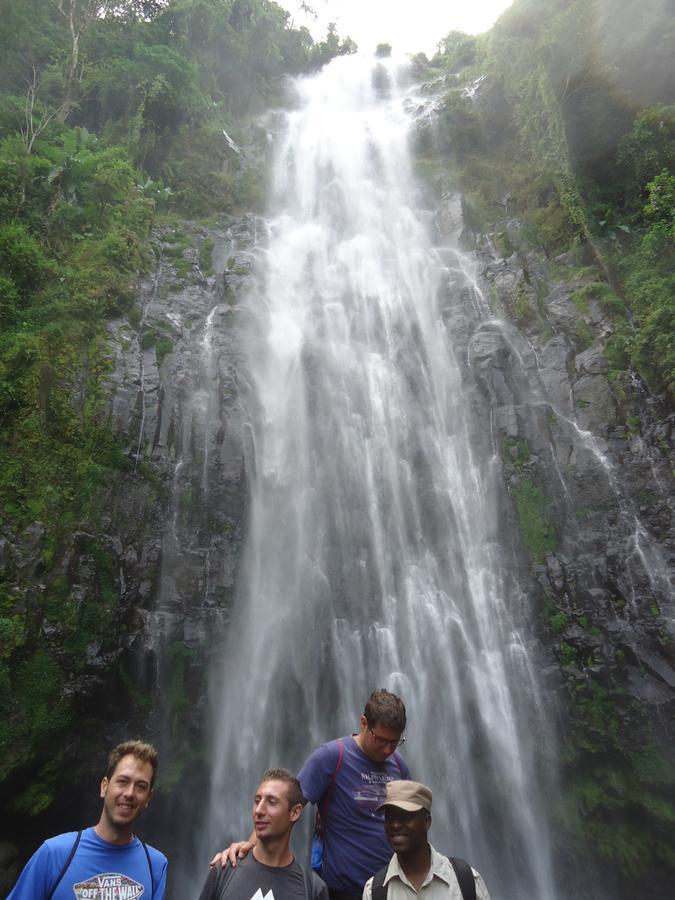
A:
(37, 119)
(78, 14)
(143, 10)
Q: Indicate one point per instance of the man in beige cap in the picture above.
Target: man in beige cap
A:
(416, 869)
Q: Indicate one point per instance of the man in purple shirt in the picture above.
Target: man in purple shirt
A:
(347, 779)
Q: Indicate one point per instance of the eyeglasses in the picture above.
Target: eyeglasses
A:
(385, 742)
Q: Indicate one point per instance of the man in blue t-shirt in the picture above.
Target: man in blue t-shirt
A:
(107, 861)
(347, 780)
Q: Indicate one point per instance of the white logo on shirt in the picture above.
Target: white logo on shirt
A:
(259, 895)
(110, 886)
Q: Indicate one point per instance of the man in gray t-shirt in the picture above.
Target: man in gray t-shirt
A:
(270, 872)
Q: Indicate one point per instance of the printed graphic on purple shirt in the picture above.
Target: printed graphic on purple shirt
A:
(369, 796)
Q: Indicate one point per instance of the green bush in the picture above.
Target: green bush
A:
(22, 259)
(648, 149)
(9, 300)
(539, 535)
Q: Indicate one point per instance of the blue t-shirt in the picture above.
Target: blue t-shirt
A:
(98, 871)
(355, 845)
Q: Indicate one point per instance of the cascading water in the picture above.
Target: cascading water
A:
(373, 556)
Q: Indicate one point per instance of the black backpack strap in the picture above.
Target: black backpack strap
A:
(378, 890)
(465, 878)
(65, 866)
(307, 883)
(152, 874)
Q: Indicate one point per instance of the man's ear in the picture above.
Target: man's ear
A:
(296, 812)
(363, 723)
(104, 787)
(427, 822)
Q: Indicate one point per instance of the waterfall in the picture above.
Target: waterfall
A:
(373, 555)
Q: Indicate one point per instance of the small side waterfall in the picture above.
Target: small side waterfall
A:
(374, 556)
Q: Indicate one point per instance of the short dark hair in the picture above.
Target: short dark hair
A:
(144, 752)
(385, 708)
(295, 795)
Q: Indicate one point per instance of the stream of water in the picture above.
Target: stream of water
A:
(373, 556)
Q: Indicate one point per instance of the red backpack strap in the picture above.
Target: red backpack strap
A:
(326, 794)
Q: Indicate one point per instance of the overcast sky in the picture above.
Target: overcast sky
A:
(408, 25)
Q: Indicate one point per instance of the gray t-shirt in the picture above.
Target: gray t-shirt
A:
(251, 880)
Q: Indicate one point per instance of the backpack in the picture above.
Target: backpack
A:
(463, 873)
(73, 850)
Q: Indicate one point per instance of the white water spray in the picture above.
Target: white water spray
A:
(373, 551)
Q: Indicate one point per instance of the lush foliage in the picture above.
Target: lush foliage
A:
(74, 225)
(109, 111)
(565, 126)
(169, 81)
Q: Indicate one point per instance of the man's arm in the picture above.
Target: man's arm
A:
(210, 889)
(160, 887)
(318, 772)
(34, 882)
(481, 890)
(319, 889)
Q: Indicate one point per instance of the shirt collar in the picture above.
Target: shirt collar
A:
(440, 868)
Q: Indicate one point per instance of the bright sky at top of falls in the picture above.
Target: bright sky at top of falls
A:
(408, 25)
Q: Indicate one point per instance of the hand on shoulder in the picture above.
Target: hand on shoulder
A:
(236, 850)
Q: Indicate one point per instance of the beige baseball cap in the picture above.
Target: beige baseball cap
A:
(409, 795)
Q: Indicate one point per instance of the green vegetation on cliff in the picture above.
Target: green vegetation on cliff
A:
(568, 125)
(109, 114)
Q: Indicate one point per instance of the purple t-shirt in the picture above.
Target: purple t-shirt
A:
(355, 845)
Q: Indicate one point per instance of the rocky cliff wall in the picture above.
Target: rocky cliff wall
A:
(587, 460)
(587, 511)
(150, 575)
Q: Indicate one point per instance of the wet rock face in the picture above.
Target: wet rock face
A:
(584, 461)
(175, 398)
(598, 450)
(587, 460)
(158, 561)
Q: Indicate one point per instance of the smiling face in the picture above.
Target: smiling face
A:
(125, 795)
(273, 816)
(406, 831)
